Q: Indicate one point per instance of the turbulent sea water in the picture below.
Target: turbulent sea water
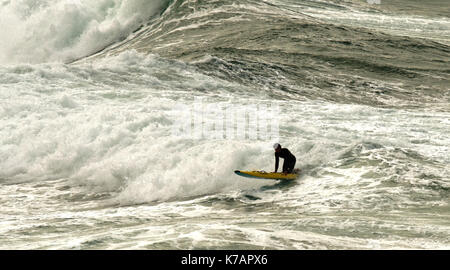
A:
(89, 159)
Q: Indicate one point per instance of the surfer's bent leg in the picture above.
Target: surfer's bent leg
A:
(288, 166)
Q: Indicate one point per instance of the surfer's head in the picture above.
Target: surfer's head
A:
(277, 147)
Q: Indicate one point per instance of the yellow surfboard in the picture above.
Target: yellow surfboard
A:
(269, 175)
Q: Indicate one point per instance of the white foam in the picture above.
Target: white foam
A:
(41, 31)
(105, 126)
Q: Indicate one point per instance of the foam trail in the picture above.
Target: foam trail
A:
(62, 30)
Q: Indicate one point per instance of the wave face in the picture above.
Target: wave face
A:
(91, 92)
(307, 49)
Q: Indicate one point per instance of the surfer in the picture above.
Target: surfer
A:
(289, 158)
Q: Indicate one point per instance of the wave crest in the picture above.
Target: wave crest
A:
(63, 30)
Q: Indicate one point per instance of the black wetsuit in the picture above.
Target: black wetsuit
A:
(289, 160)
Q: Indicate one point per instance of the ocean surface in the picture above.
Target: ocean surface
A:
(91, 91)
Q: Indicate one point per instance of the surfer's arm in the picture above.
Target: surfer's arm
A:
(277, 160)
